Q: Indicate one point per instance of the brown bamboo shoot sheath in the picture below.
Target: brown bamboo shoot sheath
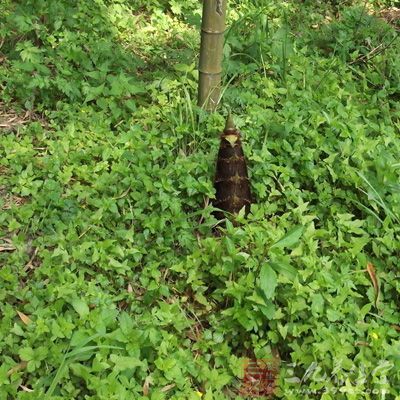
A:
(231, 180)
(211, 52)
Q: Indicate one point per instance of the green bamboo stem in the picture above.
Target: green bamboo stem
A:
(211, 53)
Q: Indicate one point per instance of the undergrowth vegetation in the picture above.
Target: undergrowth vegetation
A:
(112, 284)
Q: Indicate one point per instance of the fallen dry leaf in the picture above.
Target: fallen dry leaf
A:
(167, 387)
(146, 385)
(11, 119)
(6, 248)
(24, 318)
(396, 327)
(7, 245)
(25, 389)
(16, 368)
(11, 201)
(375, 283)
(391, 15)
(361, 343)
(30, 264)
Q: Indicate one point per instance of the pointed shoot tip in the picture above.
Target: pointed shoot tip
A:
(229, 123)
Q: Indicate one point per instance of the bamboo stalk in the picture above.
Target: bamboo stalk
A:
(211, 53)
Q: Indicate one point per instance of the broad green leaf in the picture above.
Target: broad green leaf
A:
(291, 238)
(80, 307)
(268, 280)
(125, 323)
(122, 363)
(284, 268)
(26, 353)
(94, 92)
(268, 309)
(333, 315)
(317, 305)
(283, 330)
(218, 337)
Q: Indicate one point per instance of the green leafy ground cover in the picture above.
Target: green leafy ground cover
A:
(111, 283)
